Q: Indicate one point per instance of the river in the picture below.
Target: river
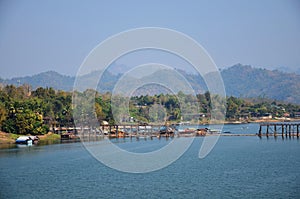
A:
(237, 167)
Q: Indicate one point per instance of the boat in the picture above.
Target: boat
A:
(166, 130)
(214, 131)
(28, 140)
(187, 132)
(201, 131)
(68, 136)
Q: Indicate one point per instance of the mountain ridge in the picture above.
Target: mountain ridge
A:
(239, 80)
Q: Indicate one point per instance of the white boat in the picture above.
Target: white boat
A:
(28, 140)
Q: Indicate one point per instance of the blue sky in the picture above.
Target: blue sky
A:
(37, 36)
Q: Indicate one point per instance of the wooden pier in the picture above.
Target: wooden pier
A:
(132, 130)
(279, 128)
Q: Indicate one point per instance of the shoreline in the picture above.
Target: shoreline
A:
(247, 121)
(49, 138)
(10, 138)
(57, 140)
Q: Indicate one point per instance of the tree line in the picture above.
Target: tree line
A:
(23, 111)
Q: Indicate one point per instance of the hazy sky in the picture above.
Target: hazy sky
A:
(37, 36)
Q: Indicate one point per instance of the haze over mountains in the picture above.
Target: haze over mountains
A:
(239, 80)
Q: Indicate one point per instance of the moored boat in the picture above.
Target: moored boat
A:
(28, 140)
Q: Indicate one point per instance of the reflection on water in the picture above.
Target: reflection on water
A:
(7, 146)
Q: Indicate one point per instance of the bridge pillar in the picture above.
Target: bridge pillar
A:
(259, 132)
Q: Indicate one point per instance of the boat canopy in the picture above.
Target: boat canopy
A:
(23, 138)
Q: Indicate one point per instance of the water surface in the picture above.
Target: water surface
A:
(238, 167)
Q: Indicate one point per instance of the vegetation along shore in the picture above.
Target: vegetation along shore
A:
(24, 111)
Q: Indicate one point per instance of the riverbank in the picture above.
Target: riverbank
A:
(10, 138)
(51, 138)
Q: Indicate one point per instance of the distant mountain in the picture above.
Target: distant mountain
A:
(107, 81)
(239, 80)
(246, 81)
(289, 70)
(63, 82)
(45, 79)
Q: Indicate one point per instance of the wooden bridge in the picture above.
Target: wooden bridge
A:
(279, 128)
(125, 130)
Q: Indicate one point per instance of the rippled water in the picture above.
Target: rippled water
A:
(238, 167)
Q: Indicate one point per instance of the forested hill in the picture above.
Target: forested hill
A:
(246, 81)
(45, 79)
(239, 80)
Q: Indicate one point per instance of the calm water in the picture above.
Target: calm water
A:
(238, 167)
